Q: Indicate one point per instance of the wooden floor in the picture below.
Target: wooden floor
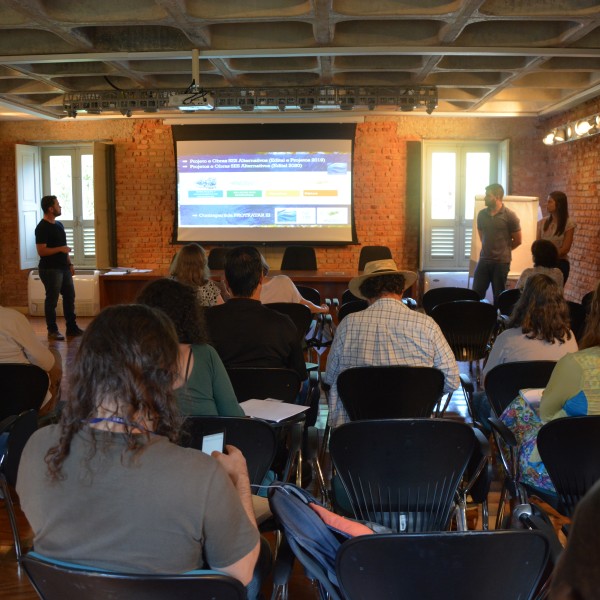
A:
(13, 581)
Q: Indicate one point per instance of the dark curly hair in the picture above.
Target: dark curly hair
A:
(541, 312)
(373, 287)
(127, 355)
(180, 303)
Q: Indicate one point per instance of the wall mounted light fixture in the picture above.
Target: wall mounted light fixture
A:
(574, 130)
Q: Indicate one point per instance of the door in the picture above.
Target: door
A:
(454, 172)
(28, 202)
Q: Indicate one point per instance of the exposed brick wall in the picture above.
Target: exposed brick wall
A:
(145, 187)
(573, 168)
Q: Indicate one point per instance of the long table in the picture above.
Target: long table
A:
(123, 289)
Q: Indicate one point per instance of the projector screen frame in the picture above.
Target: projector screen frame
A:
(271, 131)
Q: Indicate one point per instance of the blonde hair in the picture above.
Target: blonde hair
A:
(191, 265)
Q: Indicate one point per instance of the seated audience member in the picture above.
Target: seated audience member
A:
(203, 386)
(537, 330)
(107, 487)
(386, 333)
(573, 390)
(190, 266)
(244, 332)
(19, 344)
(545, 261)
(577, 573)
(280, 288)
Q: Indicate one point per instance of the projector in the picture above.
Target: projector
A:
(192, 101)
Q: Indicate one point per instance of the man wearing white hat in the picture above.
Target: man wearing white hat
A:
(386, 333)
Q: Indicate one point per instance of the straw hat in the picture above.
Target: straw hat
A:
(380, 267)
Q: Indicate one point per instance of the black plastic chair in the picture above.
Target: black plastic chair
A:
(503, 382)
(434, 296)
(370, 253)
(570, 451)
(299, 258)
(24, 387)
(298, 313)
(390, 392)
(348, 296)
(477, 565)
(401, 473)
(261, 383)
(19, 429)
(351, 307)
(506, 301)
(63, 581)
(310, 294)
(253, 437)
(216, 257)
(469, 328)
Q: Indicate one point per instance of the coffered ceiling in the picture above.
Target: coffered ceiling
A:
(498, 57)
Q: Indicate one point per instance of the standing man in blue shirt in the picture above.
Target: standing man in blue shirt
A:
(499, 230)
(56, 269)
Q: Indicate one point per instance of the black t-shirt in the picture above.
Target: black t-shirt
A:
(54, 236)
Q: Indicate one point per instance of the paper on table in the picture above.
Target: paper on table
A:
(271, 410)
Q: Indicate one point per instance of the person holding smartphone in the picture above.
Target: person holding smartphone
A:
(108, 487)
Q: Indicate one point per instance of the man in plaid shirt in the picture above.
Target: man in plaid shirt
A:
(386, 333)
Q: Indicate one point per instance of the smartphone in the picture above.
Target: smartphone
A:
(213, 441)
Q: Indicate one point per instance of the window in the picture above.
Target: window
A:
(68, 174)
(454, 173)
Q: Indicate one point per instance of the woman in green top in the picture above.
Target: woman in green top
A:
(203, 386)
(573, 391)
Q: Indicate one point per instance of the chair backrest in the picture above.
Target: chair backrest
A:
(298, 313)
(24, 387)
(434, 296)
(310, 294)
(348, 296)
(19, 428)
(503, 382)
(468, 327)
(401, 473)
(59, 581)
(570, 450)
(506, 301)
(392, 392)
(253, 437)
(477, 565)
(299, 258)
(261, 383)
(369, 253)
(216, 257)
(351, 307)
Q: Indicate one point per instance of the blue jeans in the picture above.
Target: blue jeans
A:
(489, 271)
(58, 281)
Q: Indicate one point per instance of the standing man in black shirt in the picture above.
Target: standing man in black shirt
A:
(56, 270)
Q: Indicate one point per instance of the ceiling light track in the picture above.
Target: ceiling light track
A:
(573, 131)
(332, 98)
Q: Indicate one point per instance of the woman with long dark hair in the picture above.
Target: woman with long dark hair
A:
(107, 487)
(558, 228)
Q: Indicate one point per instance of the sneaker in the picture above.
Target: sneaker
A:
(56, 335)
(74, 332)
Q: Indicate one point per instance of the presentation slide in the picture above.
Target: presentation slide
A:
(265, 190)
